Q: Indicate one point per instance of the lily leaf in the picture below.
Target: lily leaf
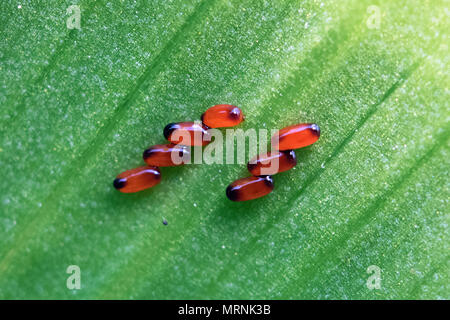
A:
(363, 215)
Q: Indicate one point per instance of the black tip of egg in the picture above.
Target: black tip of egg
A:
(119, 183)
(316, 129)
(147, 153)
(232, 194)
(169, 129)
(235, 113)
(268, 181)
(251, 166)
(290, 155)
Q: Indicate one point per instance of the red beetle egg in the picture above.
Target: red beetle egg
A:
(272, 162)
(137, 179)
(296, 136)
(222, 115)
(167, 155)
(249, 188)
(187, 133)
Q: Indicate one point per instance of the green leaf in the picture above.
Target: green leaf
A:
(78, 106)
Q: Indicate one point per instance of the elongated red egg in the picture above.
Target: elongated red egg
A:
(249, 188)
(137, 179)
(167, 155)
(272, 162)
(187, 133)
(222, 115)
(296, 136)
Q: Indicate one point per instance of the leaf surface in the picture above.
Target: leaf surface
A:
(80, 106)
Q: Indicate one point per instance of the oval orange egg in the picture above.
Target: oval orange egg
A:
(296, 136)
(187, 133)
(249, 188)
(222, 115)
(137, 179)
(272, 162)
(167, 155)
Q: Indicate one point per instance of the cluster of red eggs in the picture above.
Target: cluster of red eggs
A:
(180, 135)
(282, 158)
(184, 134)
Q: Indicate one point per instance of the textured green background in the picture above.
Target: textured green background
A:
(80, 106)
